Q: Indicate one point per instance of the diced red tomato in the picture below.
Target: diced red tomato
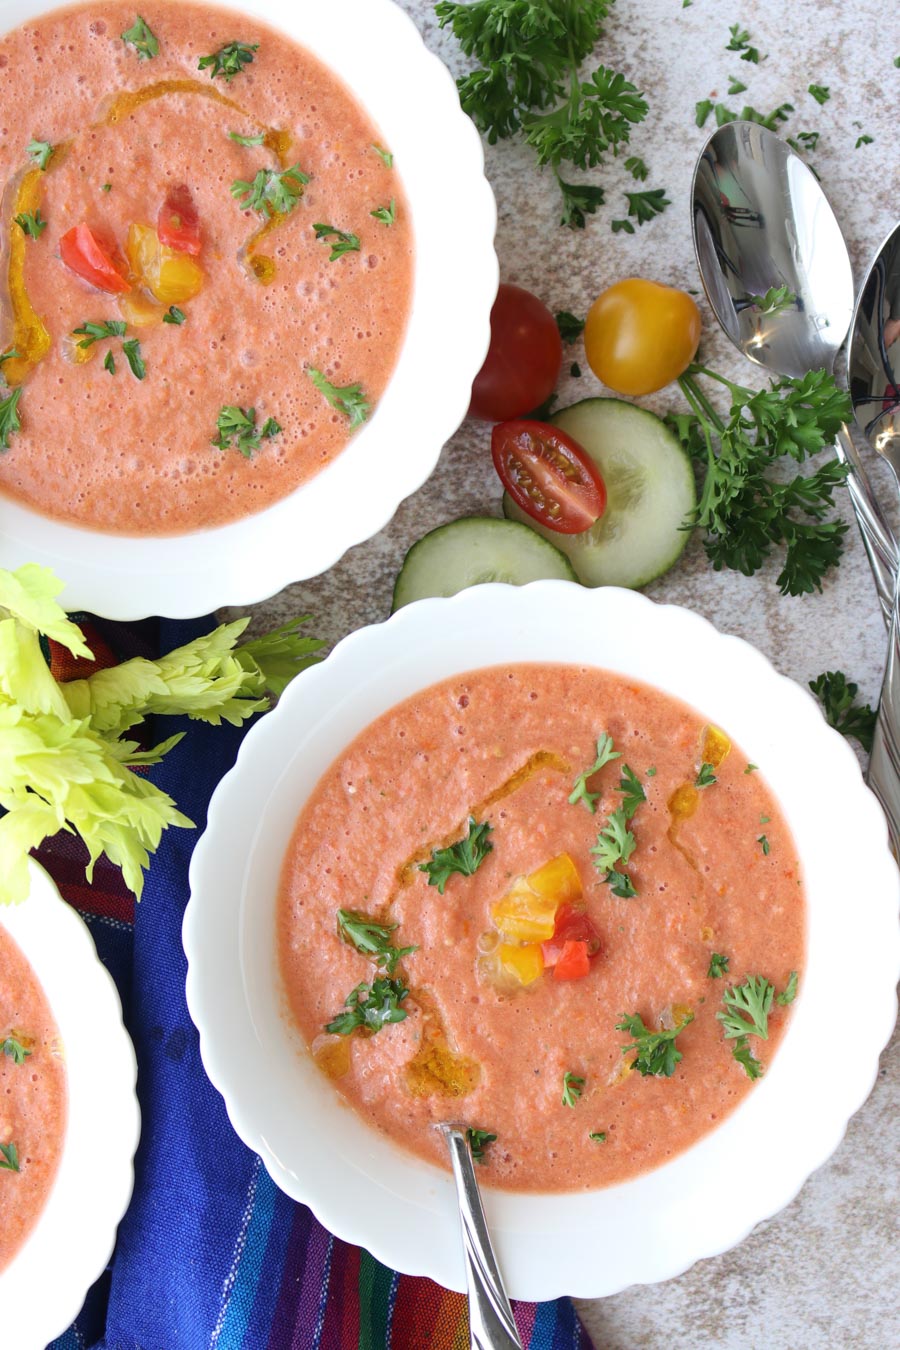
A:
(574, 962)
(573, 928)
(178, 222)
(84, 255)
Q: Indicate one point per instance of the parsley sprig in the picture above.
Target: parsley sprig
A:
(569, 325)
(718, 965)
(271, 192)
(40, 151)
(31, 223)
(237, 429)
(573, 1086)
(343, 242)
(10, 421)
(605, 753)
(744, 511)
(386, 214)
(478, 1142)
(13, 1047)
(656, 1054)
(372, 939)
(10, 1157)
(747, 1008)
(705, 776)
(229, 60)
(371, 1006)
(528, 79)
(141, 38)
(89, 333)
(837, 696)
(349, 399)
(465, 856)
(776, 300)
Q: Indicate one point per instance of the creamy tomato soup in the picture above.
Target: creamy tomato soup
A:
(564, 934)
(32, 1099)
(206, 267)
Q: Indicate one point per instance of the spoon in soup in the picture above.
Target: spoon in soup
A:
(491, 1324)
(760, 220)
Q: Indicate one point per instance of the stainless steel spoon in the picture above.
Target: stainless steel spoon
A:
(761, 220)
(874, 374)
(491, 1325)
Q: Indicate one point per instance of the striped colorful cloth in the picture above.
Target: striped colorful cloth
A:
(211, 1255)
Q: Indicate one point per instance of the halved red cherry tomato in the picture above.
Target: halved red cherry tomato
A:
(522, 366)
(84, 255)
(178, 222)
(574, 962)
(571, 926)
(548, 475)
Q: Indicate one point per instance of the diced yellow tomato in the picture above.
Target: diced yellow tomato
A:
(140, 311)
(170, 277)
(524, 963)
(523, 915)
(558, 878)
(715, 746)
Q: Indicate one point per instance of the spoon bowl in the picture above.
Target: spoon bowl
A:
(873, 367)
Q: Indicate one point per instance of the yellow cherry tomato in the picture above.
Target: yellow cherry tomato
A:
(639, 336)
(170, 277)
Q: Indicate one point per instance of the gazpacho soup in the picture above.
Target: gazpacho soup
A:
(206, 266)
(32, 1098)
(551, 903)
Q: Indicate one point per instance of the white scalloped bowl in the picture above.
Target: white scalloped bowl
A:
(43, 1287)
(368, 1190)
(409, 94)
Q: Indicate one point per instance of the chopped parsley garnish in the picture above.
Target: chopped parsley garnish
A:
(570, 327)
(748, 1007)
(645, 205)
(40, 151)
(9, 417)
(706, 777)
(637, 168)
(605, 753)
(8, 356)
(633, 795)
(385, 156)
(106, 187)
(718, 966)
(580, 200)
(804, 141)
(745, 1057)
(237, 430)
(656, 1054)
(702, 109)
(740, 42)
(96, 332)
(174, 315)
(465, 856)
(271, 193)
(343, 242)
(651, 772)
(371, 939)
(775, 301)
(348, 400)
(621, 885)
(229, 60)
(789, 993)
(615, 842)
(735, 86)
(132, 351)
(573, 1086)
(622, 226)
(752, 768)
(30, 223)
(764, 844)
(10, 1154)
(863, 140)
(13, 1047)
(386, 214)
(372, 1006)
(837, 696)
(598, 1136)
(575, 370)
(820, 92)
(109, 362)
(141, 39)
(258, 139)
(478, 1140)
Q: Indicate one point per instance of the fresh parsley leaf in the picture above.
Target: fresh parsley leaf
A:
(575, 370)
(132, 350)
(645, 205)
(229, 60)
(633, 795)
(637, 168)
(237, 429)
(31, 223)
(705, 778)
(465, 856)
(598, 1136)
(621, 885)
(174, 315)
(257, 139)
(386, 214)
(789, 993)
(385, 156)
(271, 193)
(837, 696)
(748, 1006)
(775, 301)
(371, 939)
(141, 39)
(764, 845)
(622, 227)
(651, 772)
(96, 332)
(735, 86)
(745, 1057)
(820, 92)
(372, 1006)
(740, 42)
(109, 362)
(40, 151)
(348, 400)
(702, 110)
(9, 355)
(863, 140)
(343, 243)
(573, 1086)
(10, 1154)
(752, 768)
(655, 1051)
(580, 200)
(615, 842)
(804, 141)
(570, 327)
(14, 1049)
(605, 753)
(718, 966)
(9, 417)
(478, 1139)
(106, 187)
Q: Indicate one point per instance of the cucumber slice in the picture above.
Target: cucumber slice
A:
(650, 493)
(476, 549)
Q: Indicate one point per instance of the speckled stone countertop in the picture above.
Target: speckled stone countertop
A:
(826, 1271)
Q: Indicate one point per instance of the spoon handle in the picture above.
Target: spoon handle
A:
(491, 1325)
(884, 761)
(878, 537)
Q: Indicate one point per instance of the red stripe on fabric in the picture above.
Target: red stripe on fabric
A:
(349, 1325)
(426, 1317)
(65, 666)
(65, 858)
(526, 1316)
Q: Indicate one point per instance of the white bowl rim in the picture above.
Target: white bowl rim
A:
(43, 1287)
(456, 277)
(646, 1230)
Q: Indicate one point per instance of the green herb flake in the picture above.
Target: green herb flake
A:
(464, 857)
(569, 325)
(106, 187)
(31, 223)
(615, 842)
(735, 86)
(702, 110)
(271, 193)
(385, 156)
(752, 768)
(10, 1156)
(622, 227)
(651, 772)
(820, 92)
(371, 1006)
(9, 417)
(174, 315)
(132, 351)
(141, 39)
(645, 205)
(257, 139)
(40, 151)
(598, 1136)
(706, 777)
(371, 939)
(580, 200)
(621, 885)
(89, 333)
(573, 1086)
(633, 795)
(764, 844)
(748, 1006)
(637, 168)
(741, 1051)
(13, 1048)
(236, 429)
(348, 400)
(575, 370)
(837, 695)
(605, 753)
(343, 242)
(776, 300)
(718, 965)
(789, 993)
(656, 1054)
(229, 60)
(109, 363)
(386, 214)
(863, 140)
(478, 1140)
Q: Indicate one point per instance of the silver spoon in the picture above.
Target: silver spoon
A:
(761, 220)
(491, 1325)
(874, 373)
